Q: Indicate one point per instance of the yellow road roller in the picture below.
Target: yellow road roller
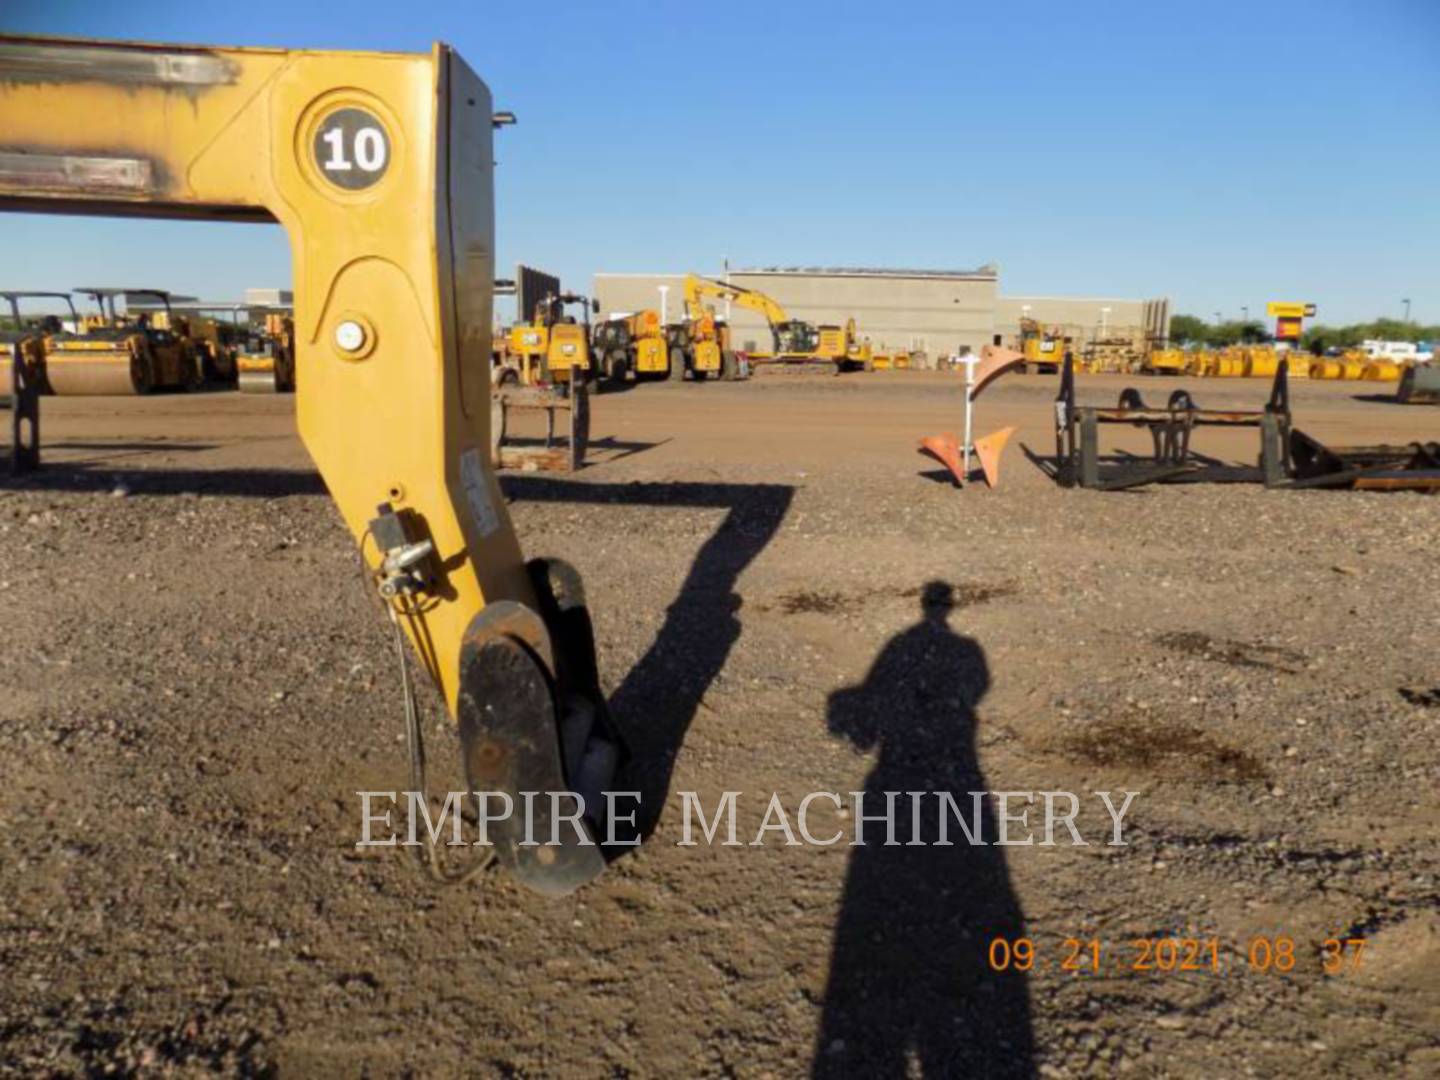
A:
(29, 334)
(265, 362)
(121, 354)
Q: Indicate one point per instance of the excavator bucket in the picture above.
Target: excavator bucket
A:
(1420, 385)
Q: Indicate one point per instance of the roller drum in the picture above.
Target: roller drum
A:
(93, 375)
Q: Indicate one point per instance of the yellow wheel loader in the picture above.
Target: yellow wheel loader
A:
(121, 354)
(379, 167)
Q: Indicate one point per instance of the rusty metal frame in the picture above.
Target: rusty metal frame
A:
(1412, 467)
(570, 405)
(1077, 438)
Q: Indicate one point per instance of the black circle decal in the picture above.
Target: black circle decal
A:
(351, 149)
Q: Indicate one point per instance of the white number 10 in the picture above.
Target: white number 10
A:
(369, 150)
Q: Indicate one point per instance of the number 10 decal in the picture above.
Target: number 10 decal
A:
(351, 149)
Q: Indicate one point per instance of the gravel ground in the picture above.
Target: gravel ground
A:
(196, 685)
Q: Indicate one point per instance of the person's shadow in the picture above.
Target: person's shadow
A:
(911, 990)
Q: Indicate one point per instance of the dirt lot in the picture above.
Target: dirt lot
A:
(196, 685)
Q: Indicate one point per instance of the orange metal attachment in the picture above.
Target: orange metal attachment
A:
(945, 447)
(994, 362)
(988, 449)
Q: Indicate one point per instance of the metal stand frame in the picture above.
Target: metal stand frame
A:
(569, 408)
(1077, 437)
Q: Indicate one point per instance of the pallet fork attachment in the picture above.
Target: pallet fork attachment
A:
(379, 166)
(1077, 437)
(567, 427)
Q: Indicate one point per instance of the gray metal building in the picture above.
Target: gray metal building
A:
(937, 311)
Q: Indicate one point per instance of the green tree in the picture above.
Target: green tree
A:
(1188, 330)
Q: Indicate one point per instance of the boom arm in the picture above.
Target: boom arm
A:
(697, 288)
(379, 166)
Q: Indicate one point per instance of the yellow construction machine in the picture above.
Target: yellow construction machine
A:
(1165, 362)
(216, 341)
(794, 340)
(552, 347)
(265, 360)
(211, 330)
(379, 166)
(630, 347)
(27, 336)
(119, 353)
(1043, 347)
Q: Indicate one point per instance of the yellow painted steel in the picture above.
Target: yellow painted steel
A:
(1382, 371)
(1229, 364)
(568, 352)
(1166, 361)
(1261, 362)
(393, 280)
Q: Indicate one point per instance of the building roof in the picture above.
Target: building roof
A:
(988, 272)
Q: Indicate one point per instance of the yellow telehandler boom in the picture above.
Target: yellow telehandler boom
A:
(379, 166)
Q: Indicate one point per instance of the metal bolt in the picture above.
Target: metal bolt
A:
(350, 336)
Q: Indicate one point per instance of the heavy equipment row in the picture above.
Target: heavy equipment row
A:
(149, 346)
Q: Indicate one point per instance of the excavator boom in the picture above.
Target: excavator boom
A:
(379, 166)
(697, 288)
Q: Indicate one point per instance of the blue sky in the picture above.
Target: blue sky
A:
(1223, 154)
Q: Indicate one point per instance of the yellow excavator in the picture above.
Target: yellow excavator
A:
(794, 340)
(121, 354)
(379, 166)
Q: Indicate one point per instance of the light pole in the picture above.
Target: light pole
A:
(1244, 313)
(1217, 318)
(1407, 309)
